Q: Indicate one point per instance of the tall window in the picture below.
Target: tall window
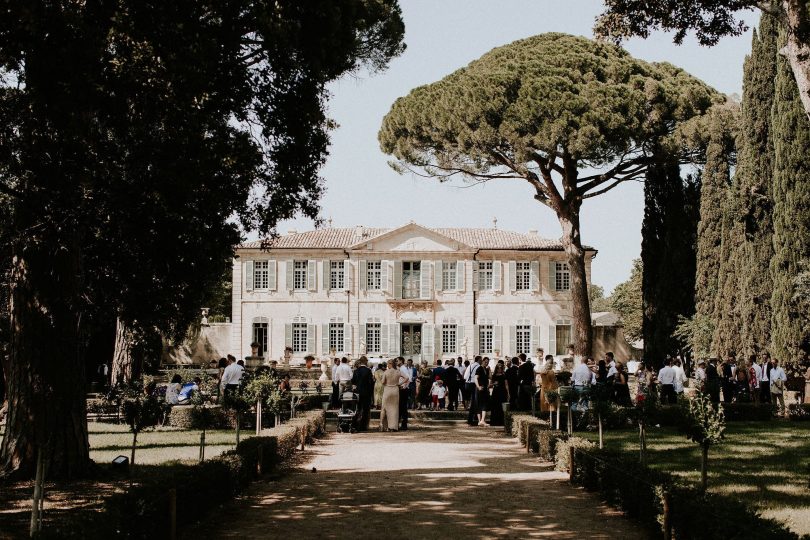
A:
(449, 338)
(374, 275)
(449, 276)
(563, 334)
(485, 276)
(373, 331)
(299, 337)
(411, 279)
(261, 274)
(485, 339)
(336, 336)
(336, 276)
(522, 276)
(300, 275)
(563, 276)
(523, 339)
(260, 336)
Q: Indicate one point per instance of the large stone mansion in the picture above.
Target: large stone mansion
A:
(413, 291)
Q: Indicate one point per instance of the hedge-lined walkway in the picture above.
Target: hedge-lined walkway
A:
(438, 480)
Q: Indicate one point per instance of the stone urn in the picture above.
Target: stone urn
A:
(324, 371)
(254, 349)
(308, 361)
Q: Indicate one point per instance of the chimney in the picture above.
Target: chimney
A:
(359, 230)
(292, 231)
(532, 232)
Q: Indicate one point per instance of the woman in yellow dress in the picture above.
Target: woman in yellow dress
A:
(548, 383)
(389, 415)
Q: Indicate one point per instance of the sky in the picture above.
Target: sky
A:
(442, 36)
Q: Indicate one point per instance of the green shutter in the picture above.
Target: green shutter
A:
(248, 275)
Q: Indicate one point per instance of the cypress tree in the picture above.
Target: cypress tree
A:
(726, 317)
(791, 211)
(753, 181)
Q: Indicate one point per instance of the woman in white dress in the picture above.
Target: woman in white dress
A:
(389, 415)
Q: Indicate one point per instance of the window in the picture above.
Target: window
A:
(300, 275)
(562, 281)
(523, 339)
(374, 275)
(523, 281)
(299, 337)
(563, 333)
(336, 336)
(336, 276)
(373, 343)
(261, 274)
(411, 279)
(485, 339)
(485, 276)
(449, 339)
(260, 336)
(449, 276)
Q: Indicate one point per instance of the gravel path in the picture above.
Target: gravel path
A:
(439, 479)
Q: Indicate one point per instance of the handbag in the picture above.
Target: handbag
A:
(776, 386)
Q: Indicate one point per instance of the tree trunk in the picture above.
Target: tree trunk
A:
(121, 371)
(704, 465)
(642, 444)
(45, 365)
(797, 48)
(599, 418)
(134, 443)
(580, 303)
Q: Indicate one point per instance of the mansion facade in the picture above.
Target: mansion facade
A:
(418, 292)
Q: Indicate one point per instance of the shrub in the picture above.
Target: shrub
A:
(562, 451)
(547, 440)
(189, 417)
(746, 412)
(799, 412)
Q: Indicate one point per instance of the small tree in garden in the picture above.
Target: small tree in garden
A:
(704, 424)
(239, 402)
(567, 396)
(141, 412)
(601, 395)
(263, 391)
(646, 407)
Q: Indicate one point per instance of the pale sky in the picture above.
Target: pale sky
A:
(442, 36)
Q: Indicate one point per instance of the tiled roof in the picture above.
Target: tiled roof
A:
(334, 238)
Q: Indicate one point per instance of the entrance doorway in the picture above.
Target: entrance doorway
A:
(411, 345)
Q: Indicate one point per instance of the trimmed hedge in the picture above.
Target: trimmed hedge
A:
(547, 440)
(799, 412)
(189, 417)
(562, 451)
(516, 424)
(142, 512)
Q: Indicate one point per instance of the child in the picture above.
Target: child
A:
(438, 391)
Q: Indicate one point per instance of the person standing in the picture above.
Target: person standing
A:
(548, 383)
(700, 376)
(472, 391)
(344, 377)
(392, 381)
(452, 378)
(363, 382)
(231, 376)
(499, 395)
(680, 377)
(728, 378)
(482, 391)
(666, 378)
(379, 386)
(621, 391)
(764, 381)
(423, 396)
(335, 384)
(754, 375)
(713, 381)
(525, 383)
(512, 382)
(404, 391)
(412, 385)
(778, 380)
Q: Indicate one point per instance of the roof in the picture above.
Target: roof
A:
(343, 238)
(605, 318)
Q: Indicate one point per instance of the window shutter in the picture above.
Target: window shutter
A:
(364, 338)
(512, 277)
(312, 279)
(497, 339)
(393, 339)
(552, 339)
(348, 338)
(327, 275)
(535, 340)
(248, 275)
(288, 335)
(535, 275)
(497, 268)
(460, 276)
(290, 273)
(397, 285)
(437, 342)
(512, 341)
(552, 277)
(425, 292)
(438, 282)
(324, 339)
(363, 271)
(383, 339)
(475, 276)
(311, 338)
(459, 339)
(428, 342)
(271, 275)
(348, 276)
(384, 285)
(476, 339)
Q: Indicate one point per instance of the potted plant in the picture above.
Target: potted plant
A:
(309, 359)
(254, 349)
(568, 396)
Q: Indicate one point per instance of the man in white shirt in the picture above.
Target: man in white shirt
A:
(778, 380)
(231, 376)
(680, 376)
(406, 373)
(343, 374)
(335, 385)
(469, 384)
(666, 377)
(611, 364)
(582, 375)
(764, 382)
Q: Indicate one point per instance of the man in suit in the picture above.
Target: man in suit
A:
(512, 381)
(713, 381)
(363, 383)
(728, 378)
(451, 378)
(525, 383)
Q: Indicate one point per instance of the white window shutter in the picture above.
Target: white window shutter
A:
(271, 275)
(428, 342)
(348, 338)
(290, 274)
(552, 277)
(459, 338)
(512, 341)
(437, 268)
(348, 276)
(512, 277)
(384, 284)
(288, 335)
(497, 339)
(552, 339)
(437, 341)
(248, 275)
(534, 267)
(393, 339)
(363, 271)
(475, 276)
(397, 281)
(327, 275)
(311, 338)
(384, 349)
(324, 339)
(425, 291)
(476, 336)
(460, 276)
(497, 270)
(312, 279)
(535, 340)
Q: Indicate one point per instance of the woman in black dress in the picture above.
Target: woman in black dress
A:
(621, 391)
(499, 394)
(482, 387)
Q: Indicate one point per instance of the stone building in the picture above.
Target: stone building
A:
(413, 291)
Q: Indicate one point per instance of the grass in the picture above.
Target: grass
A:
(766, 464)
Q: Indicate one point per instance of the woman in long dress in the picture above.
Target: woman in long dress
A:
(499, 394)
(378, 386)
(548, 383)
(389, 416)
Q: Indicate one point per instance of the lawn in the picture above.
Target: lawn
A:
(766, 464)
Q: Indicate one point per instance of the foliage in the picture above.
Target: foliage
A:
(264, 387)
(696, 332)
(562, 451)
(626, 301)
(596, 296)
(703, 423)
(547, 440)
